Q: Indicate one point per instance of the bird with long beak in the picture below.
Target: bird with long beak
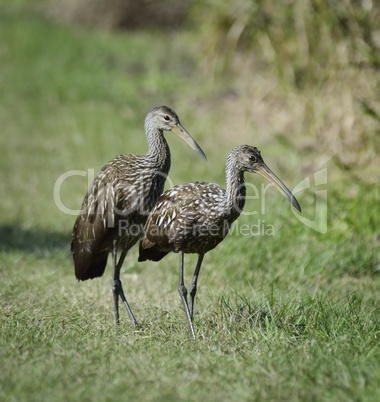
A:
(196, 217)
(119, 200)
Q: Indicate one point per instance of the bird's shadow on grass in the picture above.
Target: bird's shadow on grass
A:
(39, 241)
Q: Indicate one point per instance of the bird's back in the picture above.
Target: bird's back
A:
(115, 207)
(190, 218)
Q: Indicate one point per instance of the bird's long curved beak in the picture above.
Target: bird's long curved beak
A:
(184, 135)
(264, 171)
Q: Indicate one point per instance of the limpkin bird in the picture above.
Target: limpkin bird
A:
(196, 217)
(119, 200)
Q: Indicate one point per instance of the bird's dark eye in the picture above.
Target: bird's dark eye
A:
(166, 117)
(252, 158)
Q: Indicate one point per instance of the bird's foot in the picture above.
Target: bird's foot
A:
(117, 289)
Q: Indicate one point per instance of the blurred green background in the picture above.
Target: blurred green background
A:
(293, 316)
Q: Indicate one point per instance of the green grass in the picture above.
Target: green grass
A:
(290, 316)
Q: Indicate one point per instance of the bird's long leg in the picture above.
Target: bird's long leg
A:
(121, 292)
(117, 287)
(183, 293)
(115, 282)
(193, 286)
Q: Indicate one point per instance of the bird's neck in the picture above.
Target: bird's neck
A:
(159, 152)
(235, 191)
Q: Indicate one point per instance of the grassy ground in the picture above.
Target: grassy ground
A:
(287, 314)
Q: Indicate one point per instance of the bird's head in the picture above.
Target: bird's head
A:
(166, 119)
(249, 159)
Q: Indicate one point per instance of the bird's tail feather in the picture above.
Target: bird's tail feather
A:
(151, 254)
(94, 269)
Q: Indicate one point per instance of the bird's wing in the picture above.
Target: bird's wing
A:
(176, 212)
(95, 218)
(158, 220)
(107, 198)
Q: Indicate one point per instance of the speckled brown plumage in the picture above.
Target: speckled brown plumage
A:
(119, 200)
(196, 217)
